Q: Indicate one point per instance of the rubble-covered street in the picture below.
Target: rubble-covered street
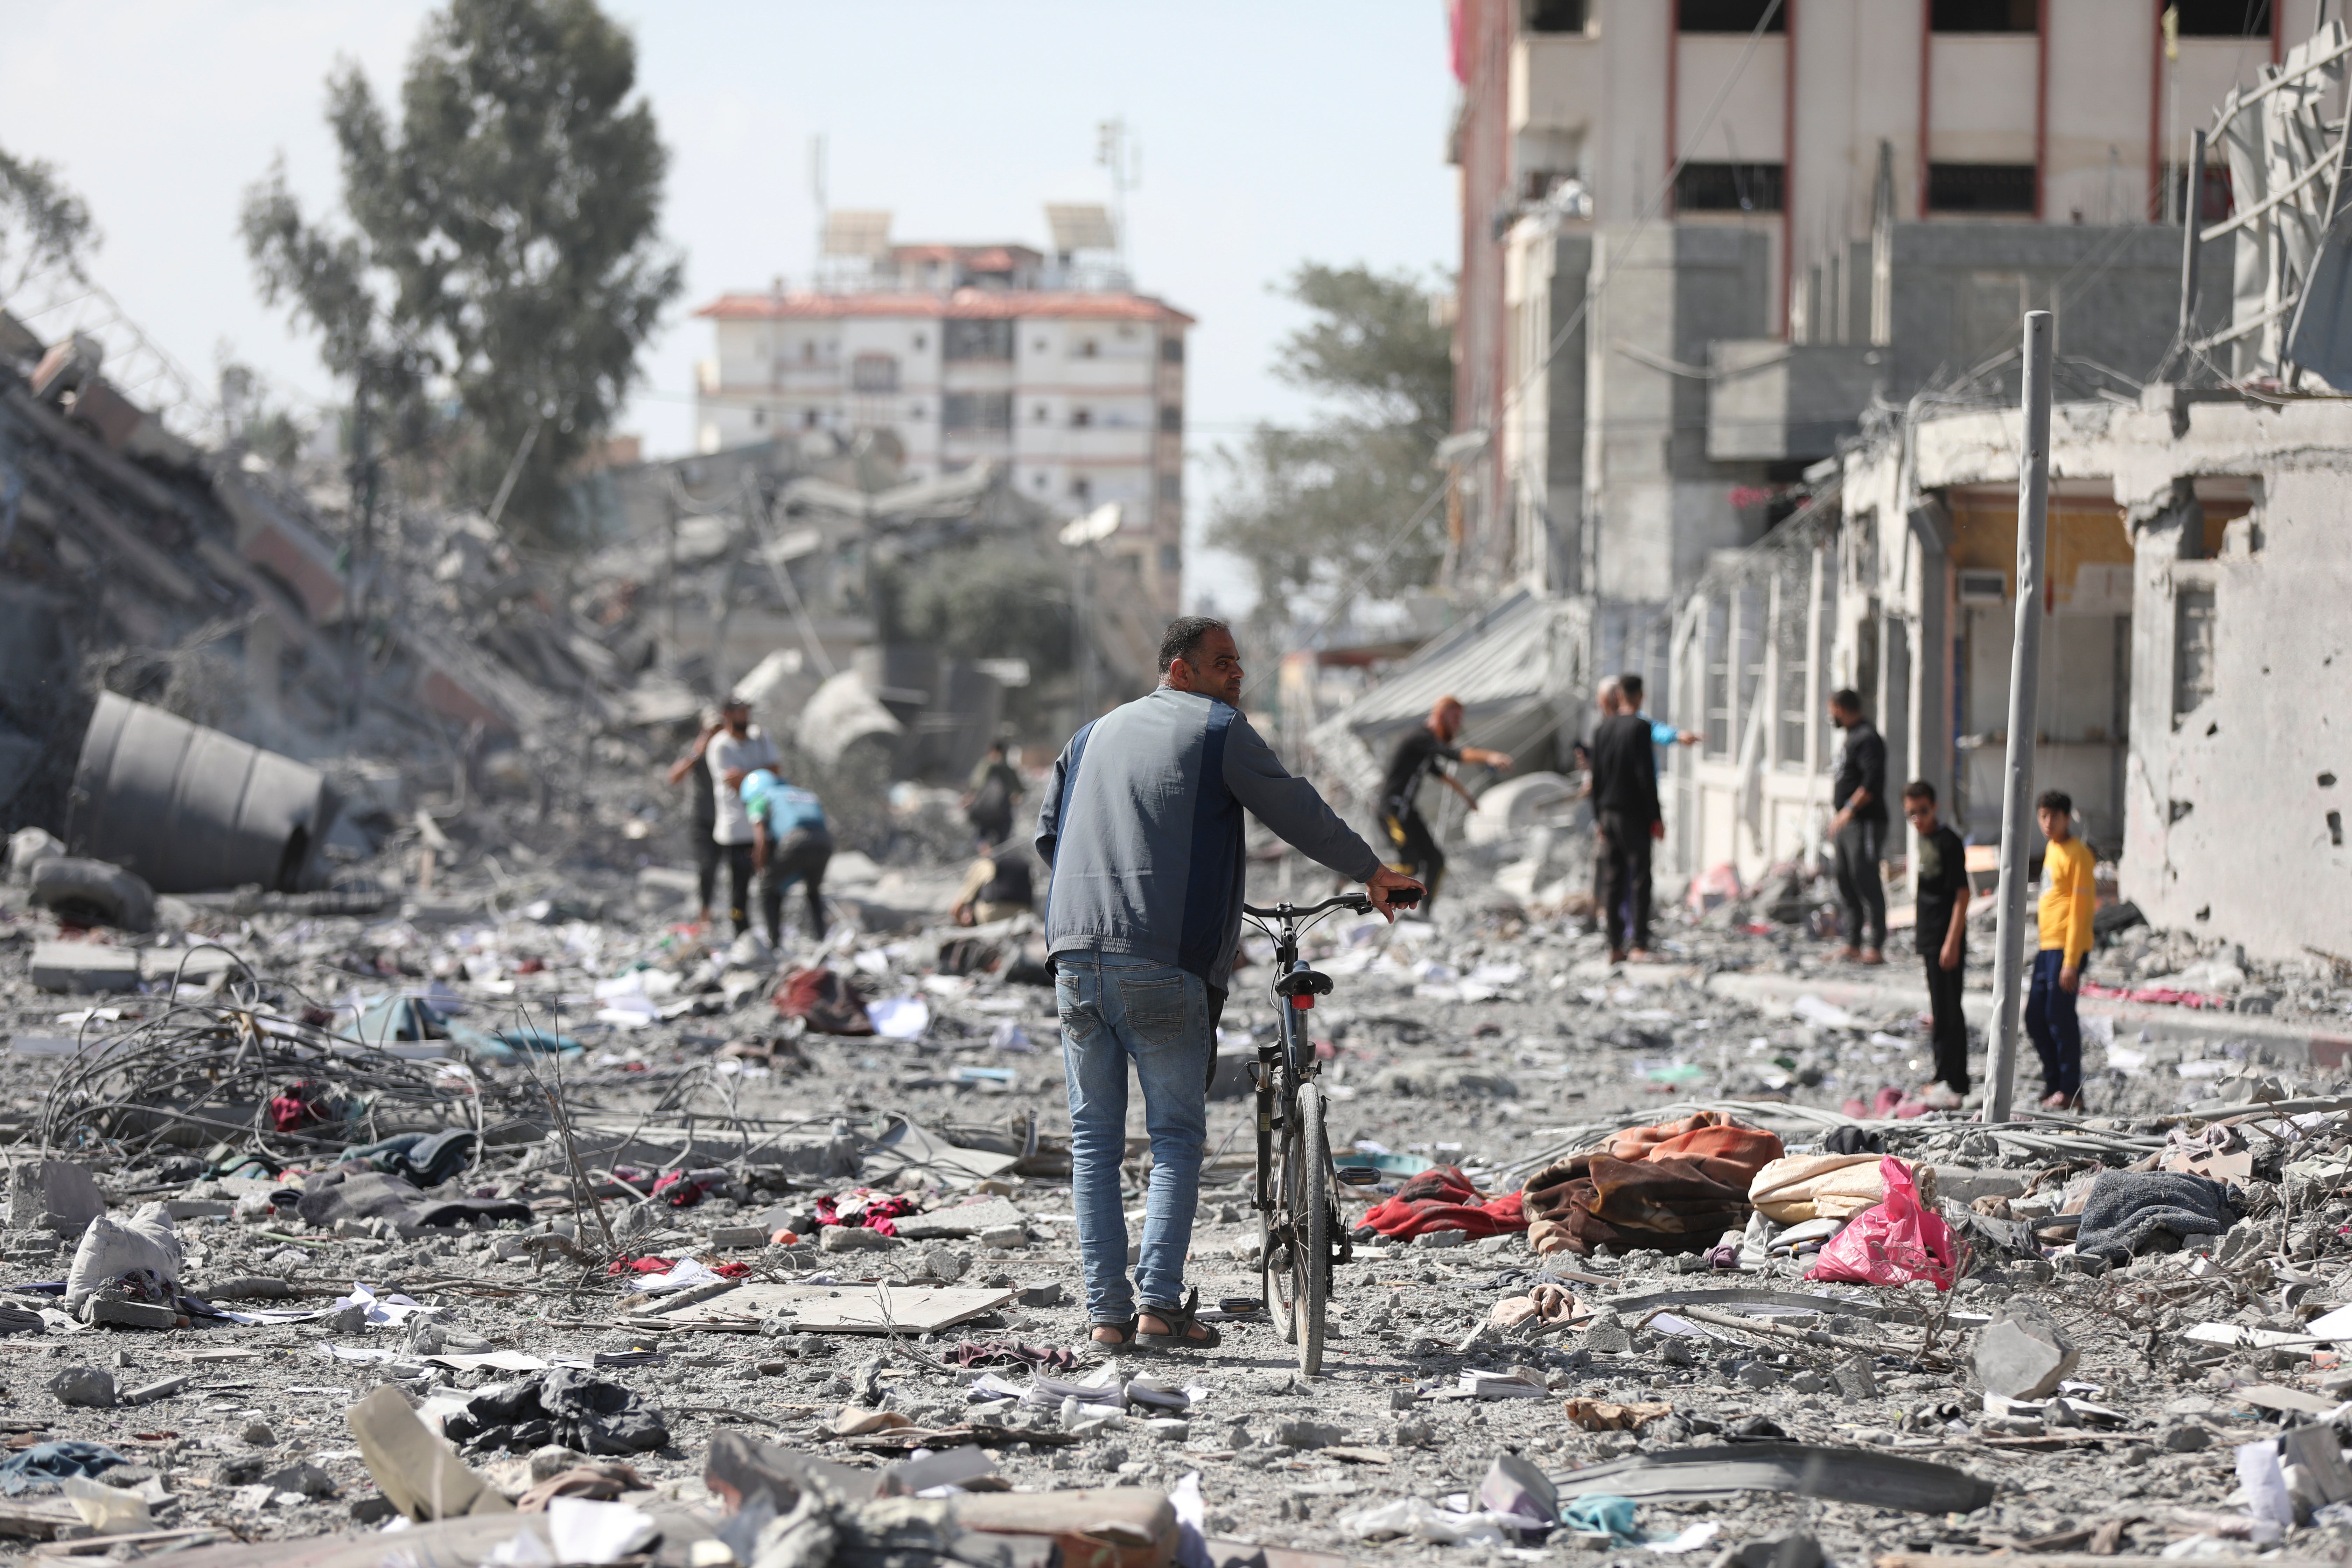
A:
(553, 1131)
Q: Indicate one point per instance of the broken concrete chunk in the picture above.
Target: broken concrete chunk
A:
(83, 968)
(94, 892)
(414, 1468)
(2024, 1354)
(1007, 1236)
(1442, 1238)
(52, 1195)
(1307, 1434)
(854, 1239)
(125, 1314)
(1607, 1334)
(956, 1223)
(2186, 1437)
(85, 1386)
(729, 1237)
(1855, 1378)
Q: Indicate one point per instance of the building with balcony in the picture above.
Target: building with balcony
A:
(953, 355)
(1865, 196)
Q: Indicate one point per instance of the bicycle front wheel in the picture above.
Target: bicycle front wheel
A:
(1311, 1222)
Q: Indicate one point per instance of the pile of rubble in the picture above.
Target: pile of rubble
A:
(506, 1205)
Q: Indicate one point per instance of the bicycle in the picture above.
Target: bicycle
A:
(1300, 1238)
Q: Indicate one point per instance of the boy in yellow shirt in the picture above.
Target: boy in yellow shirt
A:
(2068, 901)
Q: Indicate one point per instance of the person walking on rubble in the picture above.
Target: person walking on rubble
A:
(1610, 699)
(1858, 831)
(732, 755)
(2069, 899)
(693, 770)
(995, 788)
(789, 843)
(1940, 882)
(1140, 827)
(1425, 750)
(1625, 821)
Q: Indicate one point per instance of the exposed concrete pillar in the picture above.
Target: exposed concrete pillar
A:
(2162, 537)
(1930, 733)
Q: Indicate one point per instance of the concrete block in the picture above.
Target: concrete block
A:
(125, 1314)
(1442, 1238)
(729, 1237)
(83, 1386)
(1755, 1374)
(52, 1195)
(1006, 1236)
(1046, 1295)
(1307, 1434)
(198, 1208)
(854, 1239)
(1855, 1378)
(966, 1221)
(84, 968)
(1964, 1185)
(1607, 1334)
(2024, 1354)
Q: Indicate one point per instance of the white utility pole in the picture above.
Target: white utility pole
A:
(2024, 694)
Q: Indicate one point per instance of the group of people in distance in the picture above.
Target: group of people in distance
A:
(1139, 833)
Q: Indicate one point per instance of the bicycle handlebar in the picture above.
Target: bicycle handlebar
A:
(1400, 898)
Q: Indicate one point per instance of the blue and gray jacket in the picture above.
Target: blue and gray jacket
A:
(1141, 826)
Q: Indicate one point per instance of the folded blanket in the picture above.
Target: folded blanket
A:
(1800, 1187)
(2125, 1208)
(1441, 1198)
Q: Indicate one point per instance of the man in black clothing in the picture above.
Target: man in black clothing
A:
(1625, 811)
(1941, 882)
(1422, 753)
(693, 770)
(1858, 831)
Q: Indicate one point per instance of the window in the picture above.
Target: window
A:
(916, 413)
(1171, 417)
(1984, 15)
(1082, 488)
(1171, 487)
(1171, 558)
(1981, 187)
(874, 372)
(920, 341)
(808, 419)
(759, 418)
(1039, 345)
(1043, 414)
(976, 340)
(1715, 701)
(1081, 417)
(1729, 188)
(1727, 15)
(808, 351)
(1552, 15)
(1171, 350)
(1087, 348)
(2192, 651)
(2220, 199)
(2224, 18)
(976, 411)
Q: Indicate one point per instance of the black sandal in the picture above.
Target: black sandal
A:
(1119, 1346)
(1180, 1321)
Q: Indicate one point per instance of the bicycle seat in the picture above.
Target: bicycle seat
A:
(1303, 982)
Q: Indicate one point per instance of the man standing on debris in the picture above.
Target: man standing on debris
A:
(1140, 827)
(1858, 831)
(1941, 882)
(789, 843)
(693, 770)
(1625, 821)
(732, 755)
(988, 803)
(2069, 899)
(1423, 751)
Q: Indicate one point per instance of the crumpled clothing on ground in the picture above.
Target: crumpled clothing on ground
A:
(1800, 1187)
(423, 1159)
(1552, 1303)
(1674, 1188)
(860, 1208)
(825, 1001)
(2125, 1208)
(1013, 1352)
(564, 1406)
(53, 1462)
(681, 1190)
(348, 1193)
(1441, 1198)
(650, 1265)
(600, 1482)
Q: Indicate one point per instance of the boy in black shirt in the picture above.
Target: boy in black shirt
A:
(1942, 884)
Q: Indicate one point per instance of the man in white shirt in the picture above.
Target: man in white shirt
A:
(740, 747)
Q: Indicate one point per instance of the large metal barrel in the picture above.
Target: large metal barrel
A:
(189, 809)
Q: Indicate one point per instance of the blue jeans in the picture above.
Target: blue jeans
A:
(2057, 1032)
(1116, 1009)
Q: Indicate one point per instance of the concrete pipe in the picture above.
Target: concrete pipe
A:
(193, 810)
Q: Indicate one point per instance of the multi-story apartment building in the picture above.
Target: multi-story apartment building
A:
(1869, 194)
(958, 354)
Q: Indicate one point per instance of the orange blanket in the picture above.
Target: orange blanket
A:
(1671, 1188)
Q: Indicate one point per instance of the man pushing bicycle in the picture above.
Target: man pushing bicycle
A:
(1140, 825)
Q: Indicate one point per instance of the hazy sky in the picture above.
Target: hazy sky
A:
(1271, 135)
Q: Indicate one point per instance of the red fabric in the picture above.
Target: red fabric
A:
(2164, 995)
(1441, 1198)
(664, 1265)
(1674, 1188)
(1895, 1243)
(879, 1214)
(680, 1190)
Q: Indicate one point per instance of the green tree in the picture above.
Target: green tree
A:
(44, 226)
(504, 243)
(1315, 511)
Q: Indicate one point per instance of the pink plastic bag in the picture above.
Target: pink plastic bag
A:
(1892, 1244)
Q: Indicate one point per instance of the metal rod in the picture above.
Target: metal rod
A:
(2192, 215)
(2024, 671)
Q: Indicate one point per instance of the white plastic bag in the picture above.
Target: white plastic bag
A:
(111, 1249)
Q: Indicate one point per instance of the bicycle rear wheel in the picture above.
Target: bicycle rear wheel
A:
(1278, 1237)
(1311, 1223)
